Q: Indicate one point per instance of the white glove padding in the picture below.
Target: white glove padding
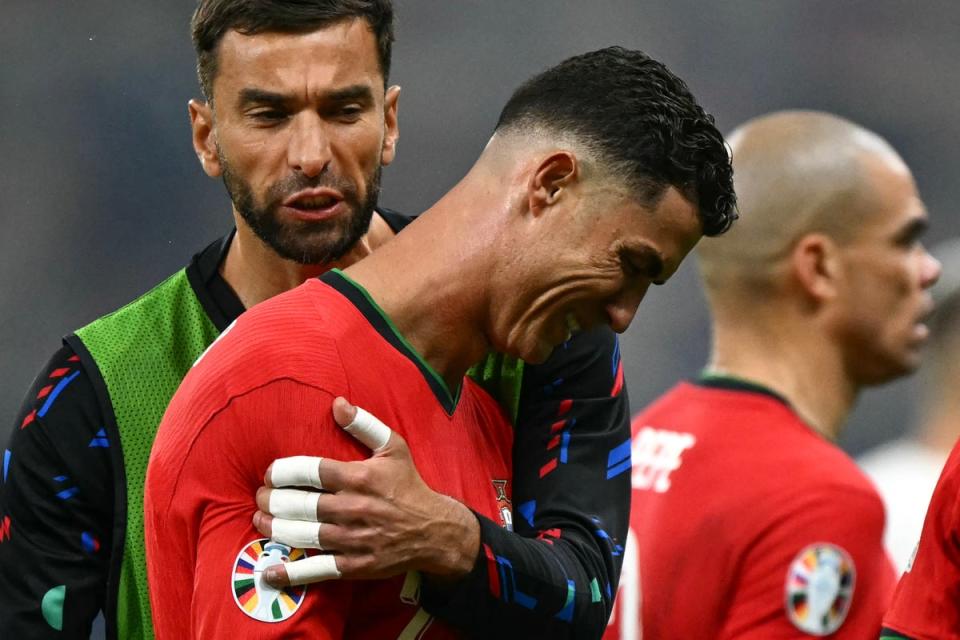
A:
(368, 429)
(294, 504)
(296, 471)
(295, 533)
(312, 569)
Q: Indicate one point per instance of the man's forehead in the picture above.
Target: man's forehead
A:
(672, 228)
(677, 211)
(888, 199)
(344, 52)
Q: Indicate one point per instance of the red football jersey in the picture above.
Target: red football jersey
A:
(263, 391)
(747, 524)
(926, 605)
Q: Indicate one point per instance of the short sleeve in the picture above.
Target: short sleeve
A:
(818, 567)
(204, 554)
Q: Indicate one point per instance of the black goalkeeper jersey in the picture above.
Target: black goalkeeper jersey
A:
(554, 575)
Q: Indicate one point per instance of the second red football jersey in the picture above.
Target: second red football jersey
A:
(747, 524)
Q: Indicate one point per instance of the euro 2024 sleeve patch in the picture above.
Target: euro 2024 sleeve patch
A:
(255, 597)
(819, 588)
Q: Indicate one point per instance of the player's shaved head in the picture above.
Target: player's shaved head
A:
(795, 173)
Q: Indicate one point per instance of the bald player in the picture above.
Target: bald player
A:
(748, 521)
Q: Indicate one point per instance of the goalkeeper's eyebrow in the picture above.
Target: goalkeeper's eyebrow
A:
(251, 96)
(254, 96)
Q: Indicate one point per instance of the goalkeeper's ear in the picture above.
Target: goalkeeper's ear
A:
(204, 140)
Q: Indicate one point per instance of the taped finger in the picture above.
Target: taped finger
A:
(296, 471)
(368, 429)
(297, 533)
(312, 569)
(294, 504)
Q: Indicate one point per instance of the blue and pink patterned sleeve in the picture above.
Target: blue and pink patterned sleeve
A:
(556, 574)
(56, 508)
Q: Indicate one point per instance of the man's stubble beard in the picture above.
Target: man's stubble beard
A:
(308, 243)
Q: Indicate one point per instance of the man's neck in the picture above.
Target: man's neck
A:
(256, 273)
(799, 366)
(433, 289)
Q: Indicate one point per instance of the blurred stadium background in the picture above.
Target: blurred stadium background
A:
(102, 196)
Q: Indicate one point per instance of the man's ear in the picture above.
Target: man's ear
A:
(816, 265)
(551, 180)
(204, 142)
(391, 129)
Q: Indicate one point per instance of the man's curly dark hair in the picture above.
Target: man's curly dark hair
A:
(640, 120)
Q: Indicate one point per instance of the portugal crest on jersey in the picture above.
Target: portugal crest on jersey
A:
(504, 504)
(256, 598)
(819, 588)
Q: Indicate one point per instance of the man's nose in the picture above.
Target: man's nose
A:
(621, 310)
(309, 146)
(931, 271)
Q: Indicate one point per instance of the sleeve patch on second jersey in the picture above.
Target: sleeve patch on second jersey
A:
(819, 588)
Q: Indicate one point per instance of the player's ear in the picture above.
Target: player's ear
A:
(816, 265)
(391, 129)
(204, 141)
(551, 179)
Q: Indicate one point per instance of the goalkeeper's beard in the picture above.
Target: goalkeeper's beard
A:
(305, 242)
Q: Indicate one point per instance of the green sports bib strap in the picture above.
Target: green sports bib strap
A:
(142, 352)
(501, 376)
